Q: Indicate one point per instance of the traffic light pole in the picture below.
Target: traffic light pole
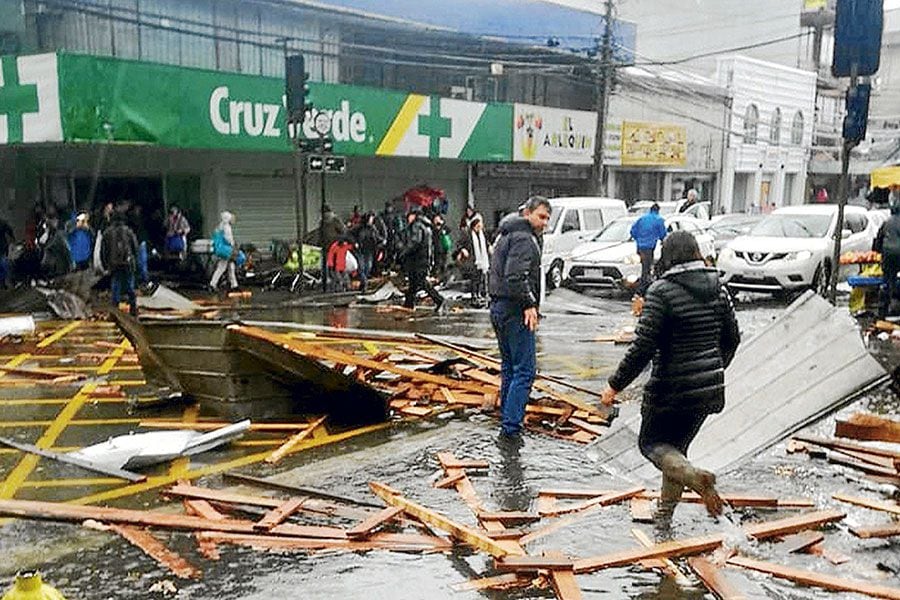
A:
(322, 222)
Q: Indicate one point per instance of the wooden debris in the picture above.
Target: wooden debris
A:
(448, 462)
(641, 510)
(398, 542)
(563, 580)
(155, 549)
(294, 489)
(782, 527)
(664, 564)
(880, 531)
(496, 582)
(533, 563)
(865, 467)
(865, 426)
(832, 556)
(45, 374)
(834, 444)
(202, 508)
(74, 460)
(509, 518)
(714, 580)
(828, 582)
(279, 514)
(450, 480)
(461, 532)
(890, 507)
(801, 542)
(605, 500)
(291, 444)
(795, 447)
(368, 526)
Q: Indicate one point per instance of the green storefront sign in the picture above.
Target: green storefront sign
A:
(90, 99)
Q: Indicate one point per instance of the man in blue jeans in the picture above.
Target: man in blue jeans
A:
(646, 232)
(515, 290)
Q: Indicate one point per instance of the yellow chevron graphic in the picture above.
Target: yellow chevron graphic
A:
(401, 124)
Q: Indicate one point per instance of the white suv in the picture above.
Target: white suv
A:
(792, 249)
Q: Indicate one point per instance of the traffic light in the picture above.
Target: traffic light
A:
(857, 112)
(297, 87)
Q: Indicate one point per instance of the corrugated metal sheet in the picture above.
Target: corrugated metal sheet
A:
(800, 368)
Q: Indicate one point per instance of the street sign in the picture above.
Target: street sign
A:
(857, 115)
(316, 163)
(857, 37)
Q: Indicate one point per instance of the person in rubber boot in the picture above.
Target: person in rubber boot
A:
(688, 329)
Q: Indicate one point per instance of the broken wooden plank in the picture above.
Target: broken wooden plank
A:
(295, 489)
(156, 550)
(605, 500)
(461, 532)
(509, 518)
(829, 582)
(73, 460)
(291, 444)
(663, 563)
(879, 461)
(202, 508)
(533, 563)
(865, 467)
(46, 374)
(563, 580)
(368, 526)
(714, 580)
(782, 527)
(865, 426)
(450, 480)
(53, 511)
(801, 542)
(448, 461)
(832, 444)
(879, 531)
(279, 514)
(641, 510)
(889, 507)
(829, 554)
(416, 411)
(592, 429)
(673, 549)
(399, 542)
(494, 582)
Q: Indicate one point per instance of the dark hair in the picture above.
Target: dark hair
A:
(534, 202)
(678, 247)
(654, 207)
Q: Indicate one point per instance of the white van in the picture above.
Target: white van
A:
(573, 222)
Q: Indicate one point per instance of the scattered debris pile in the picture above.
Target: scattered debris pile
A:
(309, 520)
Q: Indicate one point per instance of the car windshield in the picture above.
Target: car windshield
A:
(617, 231)
(664, 209)
(793, 226)
(733, 225)
(554, 218)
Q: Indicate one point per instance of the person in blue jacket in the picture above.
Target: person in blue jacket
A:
(81, 243)
(646, 232)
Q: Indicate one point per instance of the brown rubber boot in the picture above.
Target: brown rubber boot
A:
(676, 466)
(669, 496)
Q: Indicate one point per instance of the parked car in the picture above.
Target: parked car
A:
(610, 259)
(700, 210)
(792, 248)
(573, 221)
(725, 228)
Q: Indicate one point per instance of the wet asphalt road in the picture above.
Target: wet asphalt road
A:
(90, 565)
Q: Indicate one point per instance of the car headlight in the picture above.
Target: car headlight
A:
(726, 254)
(634, 259)
(801, 255)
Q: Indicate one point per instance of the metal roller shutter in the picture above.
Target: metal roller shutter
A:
(264, 207)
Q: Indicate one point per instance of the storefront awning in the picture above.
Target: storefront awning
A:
(886, 177)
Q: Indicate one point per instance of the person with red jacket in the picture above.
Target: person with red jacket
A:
(341, 263)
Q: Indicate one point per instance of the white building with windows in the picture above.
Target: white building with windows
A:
(770, 123)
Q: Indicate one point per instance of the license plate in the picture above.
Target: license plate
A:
(752, 275)
(593, 272)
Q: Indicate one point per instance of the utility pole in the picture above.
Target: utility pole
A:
(606, 71)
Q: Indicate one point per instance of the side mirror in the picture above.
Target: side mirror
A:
(845, 234)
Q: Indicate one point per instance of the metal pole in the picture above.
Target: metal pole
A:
(300, 200)
(839, 228)
(599, 182)
(322, 224)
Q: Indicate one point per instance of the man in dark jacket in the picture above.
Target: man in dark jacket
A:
(515, 290)
(119, 251)
(689, 331)
(646, 232)
(441, 242)
(415, 257)
(368, 241)
(887, 242)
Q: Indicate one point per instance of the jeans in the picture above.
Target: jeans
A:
(661, 431)
(518, 362)
(122, 280)
(418, 280)
(646, 271)
(142, 263)
(366, 262)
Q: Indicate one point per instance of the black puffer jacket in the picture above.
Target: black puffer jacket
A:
(516, 265)
(689, 330)
(417, 246)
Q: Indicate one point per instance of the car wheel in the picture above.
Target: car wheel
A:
(555, 275)
(821, 279)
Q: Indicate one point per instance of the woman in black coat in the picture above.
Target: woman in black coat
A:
(689, 331)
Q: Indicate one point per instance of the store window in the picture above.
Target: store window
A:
(751, 124)
(775, 128)
(797, 129)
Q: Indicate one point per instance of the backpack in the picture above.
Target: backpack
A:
(121, 251)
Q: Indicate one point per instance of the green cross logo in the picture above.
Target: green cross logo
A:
(435, 127)
(15, 100)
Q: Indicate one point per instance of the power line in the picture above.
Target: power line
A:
(663, 63)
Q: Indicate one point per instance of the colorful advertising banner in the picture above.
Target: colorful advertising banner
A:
(77, 98)
(653, 144)
(553, 135)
